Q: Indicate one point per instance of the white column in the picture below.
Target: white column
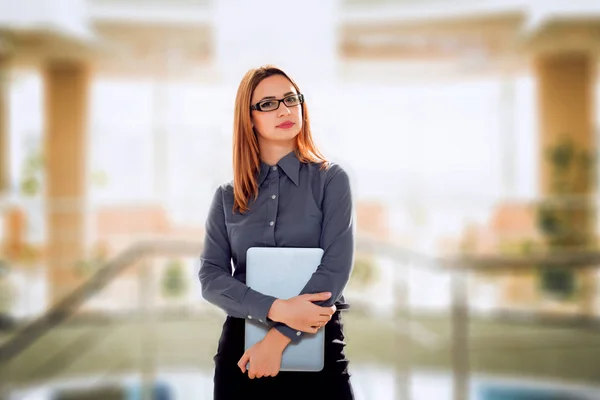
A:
(160, 140)
(4, 126)
(508, 136)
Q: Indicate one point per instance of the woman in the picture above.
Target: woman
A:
(284, 194)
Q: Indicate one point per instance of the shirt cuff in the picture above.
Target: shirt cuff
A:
(258, 305)
(292, 334)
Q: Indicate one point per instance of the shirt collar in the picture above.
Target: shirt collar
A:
(289, 164)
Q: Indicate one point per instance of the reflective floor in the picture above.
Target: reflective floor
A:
(89, 358)
(369, 381)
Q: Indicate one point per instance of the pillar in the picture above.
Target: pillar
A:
(66, 103)
(565, 86)
(565, 98)
(4, 128)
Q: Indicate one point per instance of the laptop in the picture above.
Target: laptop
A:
(283, 272)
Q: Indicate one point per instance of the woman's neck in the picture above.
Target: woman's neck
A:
(271, 153)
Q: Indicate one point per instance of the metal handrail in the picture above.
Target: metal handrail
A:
(105, 274)
(69, 304)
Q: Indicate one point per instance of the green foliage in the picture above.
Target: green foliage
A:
(565, 223)
(96, 260)
(32, 170)
(99, 179)
(174, 281)
(364, 271)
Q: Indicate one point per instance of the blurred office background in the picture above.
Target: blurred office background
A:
(469, 129)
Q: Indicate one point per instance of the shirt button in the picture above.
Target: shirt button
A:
(271, 223)
(260, 320)
(275, 168)
(298, 333)
(273, 197)
(249, 316)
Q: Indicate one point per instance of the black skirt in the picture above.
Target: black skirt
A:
(333, 382)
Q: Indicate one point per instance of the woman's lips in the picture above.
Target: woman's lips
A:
(286, 125)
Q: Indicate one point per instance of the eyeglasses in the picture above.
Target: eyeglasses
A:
(273, 104)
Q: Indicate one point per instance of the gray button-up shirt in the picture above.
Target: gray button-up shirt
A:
(298, 205)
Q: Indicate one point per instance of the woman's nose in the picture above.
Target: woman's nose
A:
(283, 110)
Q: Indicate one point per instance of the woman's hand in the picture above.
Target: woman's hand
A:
(301, 314)
(265, 356)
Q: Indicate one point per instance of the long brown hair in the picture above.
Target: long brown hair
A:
(246, 157)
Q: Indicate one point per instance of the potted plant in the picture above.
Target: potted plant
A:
(364, 272)
(566, 218)
(174, 281)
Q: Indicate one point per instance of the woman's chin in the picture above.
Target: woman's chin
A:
(283, 137)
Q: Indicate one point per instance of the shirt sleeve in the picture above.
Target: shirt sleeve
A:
(219, 287)
(337, 241)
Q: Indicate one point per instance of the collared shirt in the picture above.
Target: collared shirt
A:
(298, 205)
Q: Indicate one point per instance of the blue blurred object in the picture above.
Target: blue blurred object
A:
(160, 391)
(503, 392)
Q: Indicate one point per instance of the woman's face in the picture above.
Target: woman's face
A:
(281, 124)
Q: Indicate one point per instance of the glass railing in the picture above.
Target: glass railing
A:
(137, 322)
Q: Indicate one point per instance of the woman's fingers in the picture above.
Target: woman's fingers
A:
(328, 310)
(320, 324)
(315, 296)
(243, 361)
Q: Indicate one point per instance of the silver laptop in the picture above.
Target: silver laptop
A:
(283, 272)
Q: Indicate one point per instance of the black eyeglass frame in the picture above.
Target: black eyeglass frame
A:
(256, 107)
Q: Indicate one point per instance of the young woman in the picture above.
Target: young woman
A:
(284, 194)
